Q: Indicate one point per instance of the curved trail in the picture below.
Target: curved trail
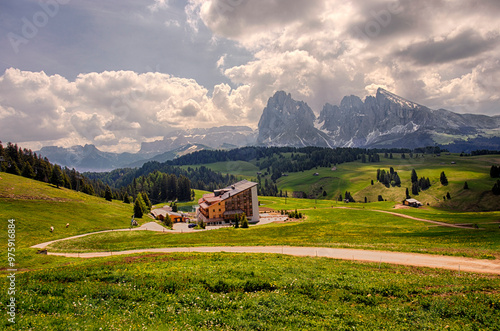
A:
(413, 259)
(448, 225)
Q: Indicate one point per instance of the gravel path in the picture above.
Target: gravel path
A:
(460, 264)
(413, 259)
(151, 226)
(448, 225)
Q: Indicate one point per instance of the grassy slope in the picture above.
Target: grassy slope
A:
(251, 292)
(356, 177)
(37, 206)
(237, 168)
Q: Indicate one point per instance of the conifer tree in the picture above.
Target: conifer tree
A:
(28, 171)
(146, 200)
(466, 186)
(108, 195)
(56, 178)
(244, 221)
(137, 208)
(496, 188)
(414, 188)
(168, 221)
(443, 179)
(414, 176)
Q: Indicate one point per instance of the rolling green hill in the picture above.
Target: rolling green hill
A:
(356, 177)
(36, 206)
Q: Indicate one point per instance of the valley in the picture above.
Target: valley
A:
(219, 288)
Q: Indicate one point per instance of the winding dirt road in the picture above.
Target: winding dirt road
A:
(460, 264)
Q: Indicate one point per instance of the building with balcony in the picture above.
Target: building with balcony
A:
(222, 206)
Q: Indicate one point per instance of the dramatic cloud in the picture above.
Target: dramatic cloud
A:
(467, 44)
(110, 108)
(118, 73)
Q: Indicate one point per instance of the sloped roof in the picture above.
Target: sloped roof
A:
(237, 188)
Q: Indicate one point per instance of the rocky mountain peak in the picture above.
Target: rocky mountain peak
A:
(286, 121)
(383, 120)
(351, 102)
(384, 95)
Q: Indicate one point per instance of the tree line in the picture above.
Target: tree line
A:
(24, 162)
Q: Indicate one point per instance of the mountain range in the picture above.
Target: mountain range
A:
(384, 120)
(381, 121)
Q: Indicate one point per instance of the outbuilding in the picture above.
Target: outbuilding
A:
(412, 203)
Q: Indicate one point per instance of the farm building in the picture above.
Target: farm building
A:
(222, 206)
(161, 213)
(412, 203)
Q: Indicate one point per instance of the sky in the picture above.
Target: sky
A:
(117, 73)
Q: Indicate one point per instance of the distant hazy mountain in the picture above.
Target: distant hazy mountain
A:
(170, 155)
(178, 143)
(385, 120)
(89, 158)
(224, 137)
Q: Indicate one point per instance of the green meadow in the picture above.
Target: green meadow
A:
(193, 291)
(323, 227)
(201, 291)
(356, 177)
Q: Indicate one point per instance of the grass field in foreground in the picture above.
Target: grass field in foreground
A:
(195, 291)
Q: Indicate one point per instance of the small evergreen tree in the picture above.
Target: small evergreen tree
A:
(414, 176)
(496, 188)
(137, 209)
(14, 169)
(107, 195)
(466, 186)
(202, 224)
(56, 177)
(244, 222)
(168, 221)
(443, 179)
(126, 198)
(397, 180)
(175, 208)
(366, 200)
(407, 194)
(414, 188)
(380, 198)
(147, 202)
(448, 196)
